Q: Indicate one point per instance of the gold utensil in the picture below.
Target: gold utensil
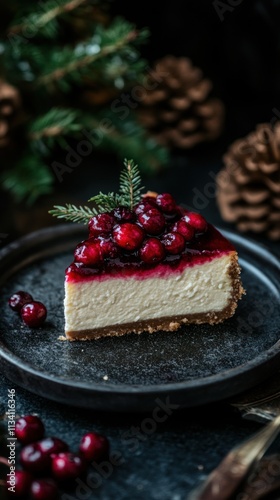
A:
(237, 465)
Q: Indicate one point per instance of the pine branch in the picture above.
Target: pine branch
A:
(106, 202)
(37, 21)
(128, 196)
(103, 44)
(130, 184)
(72, 213)
(56, 122)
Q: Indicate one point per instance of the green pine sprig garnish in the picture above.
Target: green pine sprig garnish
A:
(128, 196)
(72, 213)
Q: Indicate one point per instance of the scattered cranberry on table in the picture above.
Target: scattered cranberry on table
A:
(67, 466)
(94, 447)
(22, 484)
(29, 429)
(47, 464)
(44, 489)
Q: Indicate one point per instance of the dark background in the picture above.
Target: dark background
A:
(236, 43)
(237, 47)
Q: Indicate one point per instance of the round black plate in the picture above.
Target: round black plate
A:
(196, 365)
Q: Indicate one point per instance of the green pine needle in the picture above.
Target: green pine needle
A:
(44, 20)
(129, 195)
(130, 184)
(72, 213)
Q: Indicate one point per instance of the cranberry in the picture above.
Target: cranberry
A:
(146, 204)
(33, 459)
(167, 203)
(51, 445)
(152, 251)
(29, 428)
(88, 252)
(22, 484)
(36, 457)
(184, 229)
(18, 299)
(33, 314)
(44, 489)
(197, 221)
(152, 221)
(174, 243)
(108, 247)
(101, 224)
(123, 214)
(128, 236)
(67, 466)
(94, 446)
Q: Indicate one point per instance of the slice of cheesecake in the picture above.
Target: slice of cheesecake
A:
(152, 268)
(148, 265)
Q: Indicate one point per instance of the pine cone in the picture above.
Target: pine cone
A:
(248, 188)
(177, 109)
(10, 112)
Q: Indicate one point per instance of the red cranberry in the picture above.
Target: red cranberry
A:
(22, 482)
(18, 299)
(152, 221)
(184, 229)
(145, 204)
(33, 459)
(167, 203)
(67, 466)
(174, 243)
(128, 236)
(152, 251)
(29, 428)
(108, 248)
(94, 446)
(123, 214)
(36, 457)
(44, 489)
(101, 224)
(51, 445)
(33, 314)
(197, 221)
(89, 253)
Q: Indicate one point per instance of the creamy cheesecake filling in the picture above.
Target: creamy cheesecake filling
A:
(100, 303)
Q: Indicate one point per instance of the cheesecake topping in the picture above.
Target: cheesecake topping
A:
(130, 232)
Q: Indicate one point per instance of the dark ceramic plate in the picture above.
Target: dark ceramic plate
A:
(196, 365)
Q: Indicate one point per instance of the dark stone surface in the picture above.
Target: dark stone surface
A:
(161, 461)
